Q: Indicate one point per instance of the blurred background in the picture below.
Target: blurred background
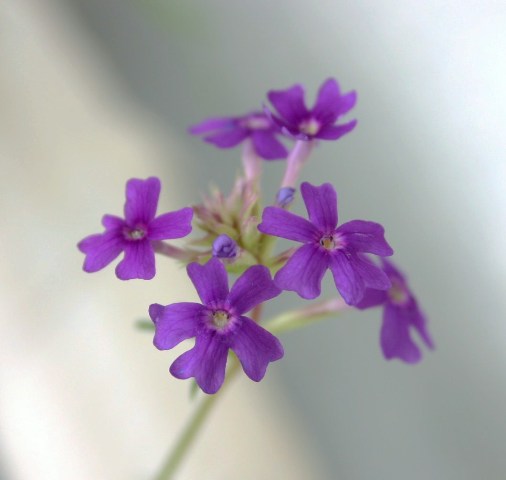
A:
(95, 92)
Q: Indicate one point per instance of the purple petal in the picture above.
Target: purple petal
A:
(280, 223)
(228, 138)
(171, 225)
(333, 132)
(141, 200)
(353, 274)
(419, 322)
(321, 205)
(347, 102)
(253, 287)
(268, 146)
(111, 222)
(348, 280)
(210, 281)
(372, 276)
(327, 106)
(393, 272)
(139, 261)
(101, 249)
(395, 339)
(289, 103)
(303, 272)
(211, 124)
(206, 361)
(255, 347)
(174, 323)
(363, 236)
(372, 298)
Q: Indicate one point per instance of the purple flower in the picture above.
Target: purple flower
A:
(228, 132)
(135, 234)
(224, 247)
(400, 313)
(297, 121)
(326, 246)
(218, 325)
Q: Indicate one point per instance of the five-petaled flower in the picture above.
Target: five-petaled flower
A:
(227, 132)
(219, 324)
(297, 121)
(400, 313)
(135, 234)
(326, 246)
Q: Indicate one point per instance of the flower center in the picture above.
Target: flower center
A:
(220, 319)
(311, 126)
(327, 243)
(397, 294)
(331, 242)
(137, 233)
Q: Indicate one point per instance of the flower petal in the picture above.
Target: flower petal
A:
(372, 275)
(112, 222)
(171, 225)
(268, 146)
(419, 322)
(210, 281)
(139, 261)
(101, 249)
(395, 339)
(393, 272)
(211, 124)
(364, 236)
(303, 272)
(334, 132)
(141, 200)
(206, 361)
(289, 103)
(353, 274)
(321, 205)
(372, 298)
(256, 348)
(347, 102)
(327, 106)
(174, 323)
(228, 138)
(253, 287)
(348, 280)
(281, 223)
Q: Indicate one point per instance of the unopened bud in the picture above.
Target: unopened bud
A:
(224, 247)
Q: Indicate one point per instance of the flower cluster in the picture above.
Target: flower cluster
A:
(239, 236)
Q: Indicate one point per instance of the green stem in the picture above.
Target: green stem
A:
(185, 441)
(295, 319)
(189, 434)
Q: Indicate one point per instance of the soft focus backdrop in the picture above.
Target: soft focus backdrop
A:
(427, 160)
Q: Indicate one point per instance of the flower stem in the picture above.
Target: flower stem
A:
(189, 434)
(296, 159)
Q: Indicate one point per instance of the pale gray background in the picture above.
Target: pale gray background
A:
(426, 160)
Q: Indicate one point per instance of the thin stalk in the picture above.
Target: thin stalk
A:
(189, 434)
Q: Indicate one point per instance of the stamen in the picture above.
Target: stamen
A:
(137, 233)
(328, 242)
(220, 319)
